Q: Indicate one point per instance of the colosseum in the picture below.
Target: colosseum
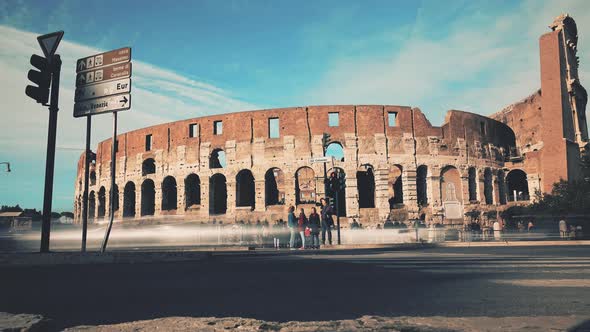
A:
(252, 165)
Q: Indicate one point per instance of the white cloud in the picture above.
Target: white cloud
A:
(158, 95)
(483, 64)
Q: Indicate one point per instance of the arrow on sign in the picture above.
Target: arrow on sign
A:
(81, 65)
(81, 78)
(124, 101)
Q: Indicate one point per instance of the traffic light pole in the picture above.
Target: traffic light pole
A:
(50, 161)
(86, 176)
(112, 193)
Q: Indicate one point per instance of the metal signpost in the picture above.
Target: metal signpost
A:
(103, 85)
(47, 75)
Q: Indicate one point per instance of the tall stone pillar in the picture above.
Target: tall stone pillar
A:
(231, 195)
(204, 210)
(290, 198)
(534, 182)
(158, 198)
(433, 187)
(410, 191)
(180, 199)
(259, 192)
(382, 192)
(138, 201)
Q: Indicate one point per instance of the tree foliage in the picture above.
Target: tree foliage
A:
(7, 208)
(565, 198)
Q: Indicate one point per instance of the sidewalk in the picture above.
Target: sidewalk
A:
(198, 254)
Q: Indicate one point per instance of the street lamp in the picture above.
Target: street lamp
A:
(7, 166)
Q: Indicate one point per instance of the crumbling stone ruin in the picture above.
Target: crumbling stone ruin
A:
(253, 165)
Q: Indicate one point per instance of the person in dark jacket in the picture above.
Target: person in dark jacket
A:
(302, 223)
(327, 221)
(314, 224)
(293, 228)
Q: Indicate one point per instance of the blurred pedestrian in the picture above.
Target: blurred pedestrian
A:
(562, 229)
(327, 221)
(497, 230)
(314, 225)
(292, 223)
(302, 223)
(530, 226)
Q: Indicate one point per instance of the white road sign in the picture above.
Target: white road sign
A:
(321, 160)
(103, 105)
(103, 89)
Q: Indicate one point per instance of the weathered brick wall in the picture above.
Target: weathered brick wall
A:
(363, 131)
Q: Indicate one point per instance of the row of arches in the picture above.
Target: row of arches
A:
(305, 190)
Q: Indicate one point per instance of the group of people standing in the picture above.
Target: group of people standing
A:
(304, 226)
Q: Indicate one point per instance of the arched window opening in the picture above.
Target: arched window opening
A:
(472, 184)
(129, 200)
(395, 185)
(421, 185)
(217, 194)
(217, 159)
(365, 181)
(148, 167)
(101, 202)
(169, 194)
(245, 190)
(148, 198)
(502, 187)
(518, 185)
(91, 205)
(305, 186)
(488, 190)
(92, 178)
(274, 187)
(334, 149)
(115, 198)
(192, 191)
(450, 185)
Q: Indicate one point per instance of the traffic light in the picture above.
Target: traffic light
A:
(341, 181)
(333, 185)
(41, 77)
(325, 140)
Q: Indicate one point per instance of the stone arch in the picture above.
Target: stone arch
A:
(305, 185)
(92, 178)
(472, 182)
(365, 182)
(169, 194)
(395, 187)
(217, 159)
(274, 187)
(129, 200)
(245, 189)
(501, 187)
(335, 149)
(217, 194)
(101, 202)
(91, 205)
(422, 185)
(450, 185)
(518, 185)
(148, 198)
(148, 166)
(192, 191)
(488, 190)
(116, 199)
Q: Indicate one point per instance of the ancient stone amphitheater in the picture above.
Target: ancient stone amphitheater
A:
(252, 165)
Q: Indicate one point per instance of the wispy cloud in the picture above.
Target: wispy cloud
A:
(159, 95)
(478, 62)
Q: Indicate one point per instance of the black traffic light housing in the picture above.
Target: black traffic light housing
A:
(41, 77)
(325, 140)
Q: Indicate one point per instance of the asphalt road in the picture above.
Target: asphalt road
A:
(455, 282)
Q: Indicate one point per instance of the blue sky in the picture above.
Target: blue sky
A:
(194, 58)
